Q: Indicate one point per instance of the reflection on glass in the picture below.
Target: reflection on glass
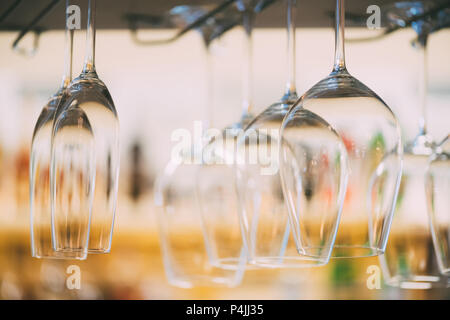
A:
(370, 133)
(89, 94)
(40, 155)
(438, 191)
(410, 260)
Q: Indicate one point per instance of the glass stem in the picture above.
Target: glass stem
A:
(423, 84)
(248, 67)
(209, 87)
(339, 56)
(89, 62)
(68, 53)
(291, 91)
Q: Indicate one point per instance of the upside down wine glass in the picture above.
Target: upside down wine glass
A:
(40, 156)
(370, 133)
(265, 218)
(190, 224)
(88, 95)
(216, 180)
(410, 260)
(438, 201)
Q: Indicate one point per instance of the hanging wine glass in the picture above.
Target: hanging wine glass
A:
(187, 232)
(90, 95)
(40, 208)
(216, 179)
(216, 183)
(370, 133)
(263, 205)
(438, 201)
(410, 261)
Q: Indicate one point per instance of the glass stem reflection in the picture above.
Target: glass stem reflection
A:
(68, 54)
(423, 84)
(89, 62)
(339, 56)
(209, 87)
(248, 67)
(291, 91)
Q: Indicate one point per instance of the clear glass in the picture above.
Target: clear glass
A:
(438, 201)
(193, 240)
(40, 156)
(73, 167)
(410, 260)
(90, 94)
(264, 212)
(370, 133)
(201, 241)
(41, 230)
(216, 180)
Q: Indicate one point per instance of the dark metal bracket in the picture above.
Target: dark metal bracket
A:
(31, 27)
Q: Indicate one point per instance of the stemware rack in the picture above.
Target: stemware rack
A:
(40, 16)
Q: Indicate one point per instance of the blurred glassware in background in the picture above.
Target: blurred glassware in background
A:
(370, 133)
(410, 260)
(87, 98)
(14, 283)
(40, 208)
(201, 242)
(398, 15)
(264, 215)
(216, 179)
(438, 201)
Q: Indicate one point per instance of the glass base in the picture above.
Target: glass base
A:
(287, 262)
(61, 256)
(232, 264)
(99, 251)
(193, 272)
(346, 251)
(50, 253)
(418, 282)
(200, 281)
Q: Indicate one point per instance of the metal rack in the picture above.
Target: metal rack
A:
(39, 16)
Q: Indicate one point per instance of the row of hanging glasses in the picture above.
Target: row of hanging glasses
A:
(74, 163)
(310, 178)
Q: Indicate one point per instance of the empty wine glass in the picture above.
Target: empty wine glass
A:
(370, 132)
(216, 179)
(438, 201)
(89, 94)
(40, 155)
(263, 205)
(410, 260)
(196, 230)
(73, 166)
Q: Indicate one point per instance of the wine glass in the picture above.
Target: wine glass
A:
(89, 94)
(438, 201)
(188, 225)
(370, 133)
(409, 260)
(216, 180)
(73, 169)
(40, 209)
(263, 205)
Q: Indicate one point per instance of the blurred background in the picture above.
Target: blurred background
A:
(157, 89)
